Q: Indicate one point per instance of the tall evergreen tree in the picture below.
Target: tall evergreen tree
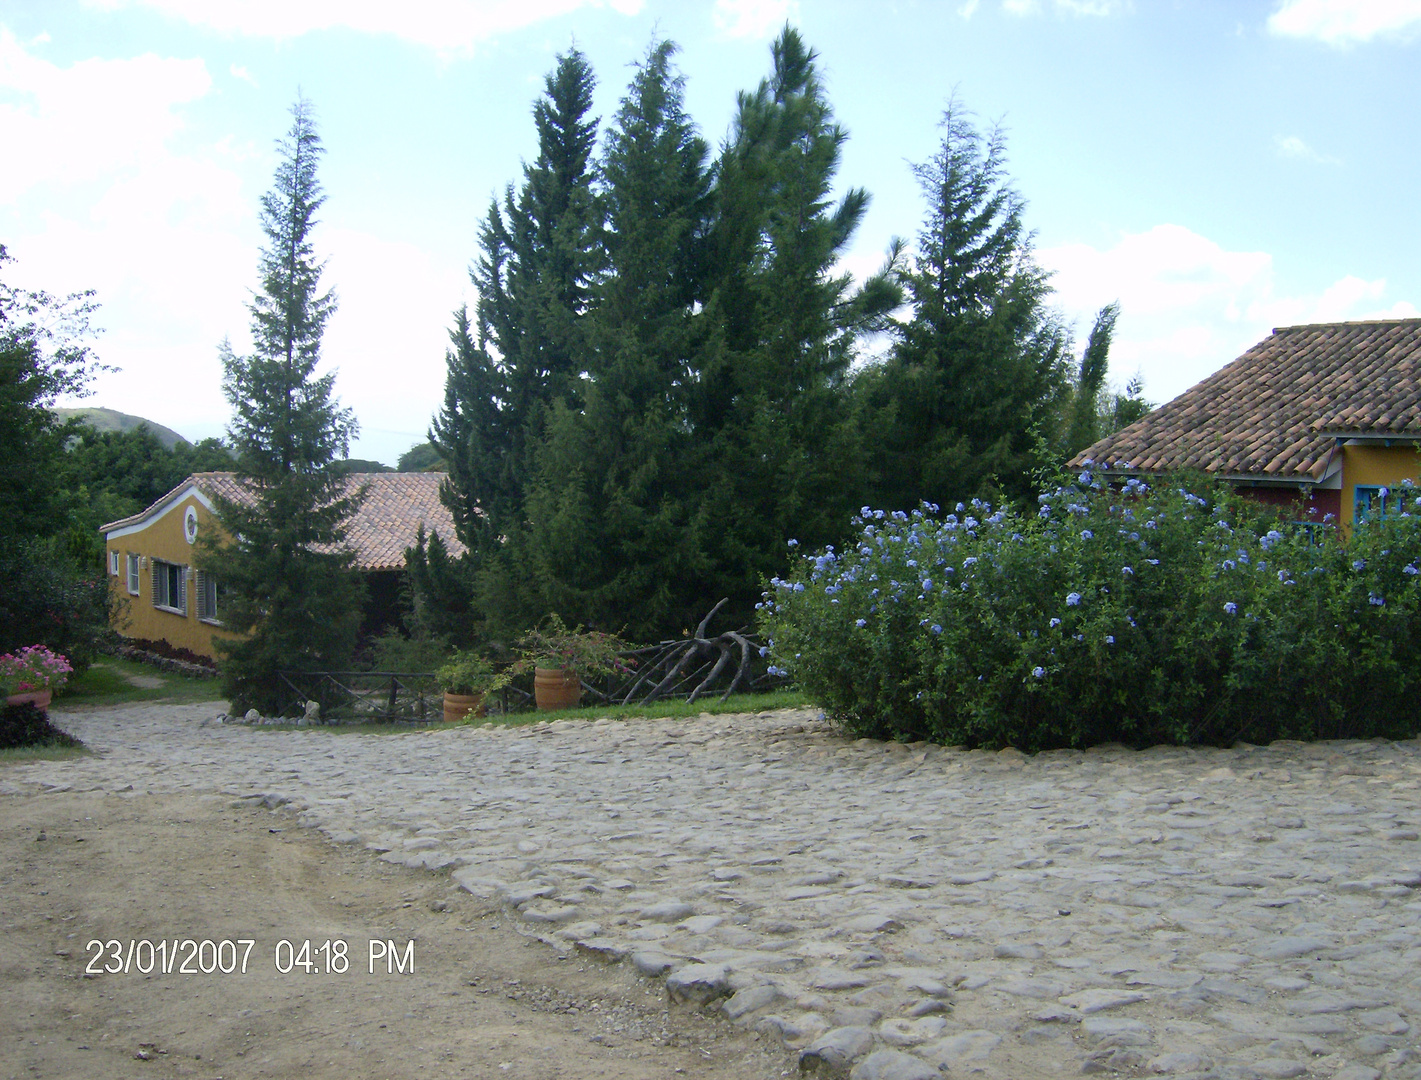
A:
(534, 278)
(286, 578)
(980, 368)
(611, 536)
(1086, 404)
(780, 454)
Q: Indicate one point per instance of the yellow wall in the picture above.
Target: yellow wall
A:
(163, 538)
(1373, 464)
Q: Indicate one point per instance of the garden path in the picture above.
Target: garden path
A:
(1239, 913)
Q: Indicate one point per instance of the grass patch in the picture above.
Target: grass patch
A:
(19, 755)
(737, 703)
(675, 708)
(115, 681)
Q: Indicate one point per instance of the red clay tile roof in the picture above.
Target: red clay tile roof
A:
(1273, 413)
(387, 522)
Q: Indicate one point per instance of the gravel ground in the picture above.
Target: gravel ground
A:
(886, 910)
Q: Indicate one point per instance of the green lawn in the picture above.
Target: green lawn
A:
(737, 703)
(114, 681)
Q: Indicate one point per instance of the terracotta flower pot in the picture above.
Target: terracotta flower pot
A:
(458, 706)
(40, 698)
(556, 688)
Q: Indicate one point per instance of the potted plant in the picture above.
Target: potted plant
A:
(466, 678)
(33, 674)
(561, 658)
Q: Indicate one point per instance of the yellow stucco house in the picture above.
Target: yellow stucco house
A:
(150, 554)
(1319, 419)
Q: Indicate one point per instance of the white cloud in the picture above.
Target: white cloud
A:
(1344, 22)
(93, 195)
(753, 19)
(1291, 146)
(89, 120)
(447, 26)
(237, 71)
(391, 370)
(1188, 306)
(1065, 7)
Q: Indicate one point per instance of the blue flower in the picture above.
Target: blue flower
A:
(936, 629)
(1086, 534)
(1054, 623)
(799, 586)
(1410, 570)
(1037, 672)
(860, 623)
(1376, 600)
(1110, 639)
(1073, 599)
(1230, 608)
(927, 584)
(764, 651)
(793, 543)
(1125, 571)
(1359, 564)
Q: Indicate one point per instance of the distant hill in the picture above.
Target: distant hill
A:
(113, 420)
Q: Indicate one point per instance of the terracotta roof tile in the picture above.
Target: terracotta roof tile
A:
(1273, 413)
(387, 522)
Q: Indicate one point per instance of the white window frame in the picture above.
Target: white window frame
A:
(162, 575)
(113, 564)
(133, 562)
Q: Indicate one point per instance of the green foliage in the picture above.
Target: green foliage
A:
(422, 457)
(1139, 615)
(590, 653)
(104, 475)
(650, 390)
(28, 726)
(982, 361)
(285, 573)
(49, 597)
(42, 357)
(466, 673)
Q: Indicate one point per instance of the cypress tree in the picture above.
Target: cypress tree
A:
(782, 458)
(611, 537)
(979, 370)
(285, 574)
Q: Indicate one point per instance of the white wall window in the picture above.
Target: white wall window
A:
(169, 587)
(113, 563)
(132, 574)
(206, 597)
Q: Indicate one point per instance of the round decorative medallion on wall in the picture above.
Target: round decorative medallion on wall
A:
(190, 524)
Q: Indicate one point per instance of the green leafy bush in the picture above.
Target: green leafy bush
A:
(1137, 614)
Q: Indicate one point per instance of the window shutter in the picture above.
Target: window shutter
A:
(202, 611)
(180, 601)
(158, 578)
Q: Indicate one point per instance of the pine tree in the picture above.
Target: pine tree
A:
(610, 538)
(782, 455)
(979, 369)
(285, 574)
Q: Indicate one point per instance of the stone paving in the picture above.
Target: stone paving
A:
(892, 911)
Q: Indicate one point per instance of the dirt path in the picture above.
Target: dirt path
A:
(482, 1001)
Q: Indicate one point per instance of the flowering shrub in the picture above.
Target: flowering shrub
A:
(1139, 614)
(33, 668)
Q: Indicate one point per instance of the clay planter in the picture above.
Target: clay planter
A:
(40, 698)
(556, 688)
(458, 706)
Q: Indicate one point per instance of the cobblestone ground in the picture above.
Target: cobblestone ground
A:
(894, 910)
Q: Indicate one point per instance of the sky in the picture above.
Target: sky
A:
(1218, 167)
